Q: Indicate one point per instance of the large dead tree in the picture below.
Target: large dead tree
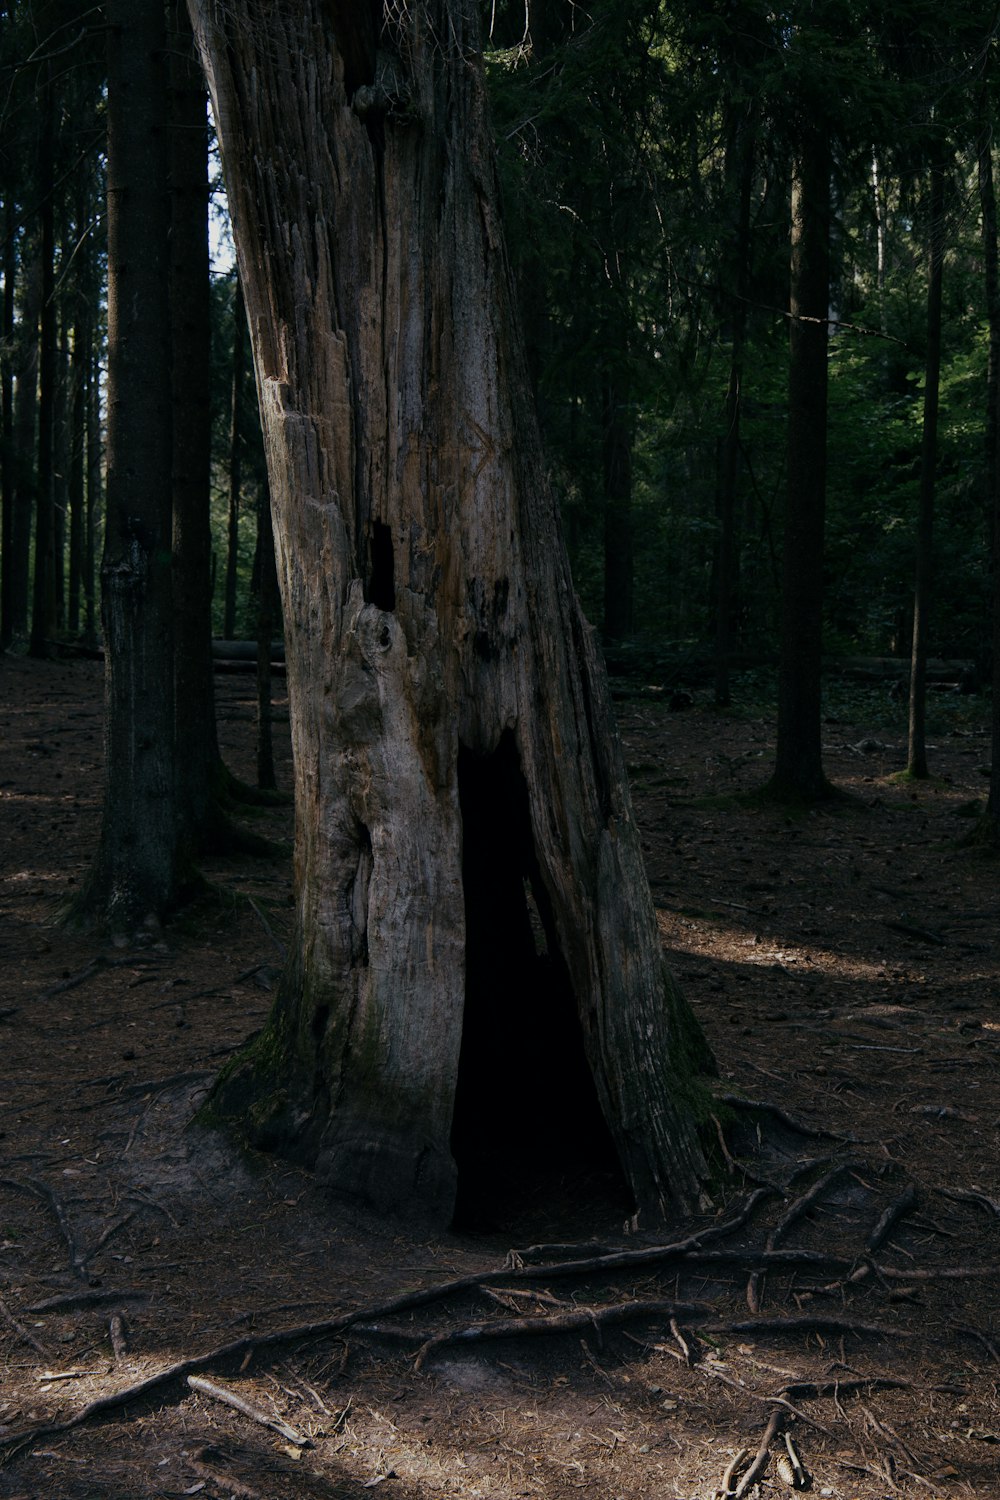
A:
(475, 937)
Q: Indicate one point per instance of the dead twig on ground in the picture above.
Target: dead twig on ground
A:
(118, 1336)
(255, 1413)
(760, 1460)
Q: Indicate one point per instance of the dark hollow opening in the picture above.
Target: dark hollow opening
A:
(382, 588)
(528, 1137)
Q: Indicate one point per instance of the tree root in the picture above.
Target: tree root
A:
(77, 1259)
(763, 1106)
(792, 1215)
(904, 1204)
(562, 1322)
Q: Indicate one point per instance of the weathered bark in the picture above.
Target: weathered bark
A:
(7, 421)
(135, 876)
(235, 464)
(798, 770)
(460, 794)
(267, 591)
(916, 763)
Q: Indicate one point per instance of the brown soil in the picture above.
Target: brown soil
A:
(844, 964)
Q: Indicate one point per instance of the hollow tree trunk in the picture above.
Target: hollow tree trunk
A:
(461, 806)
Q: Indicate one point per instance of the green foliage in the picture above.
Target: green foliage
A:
(616, 130)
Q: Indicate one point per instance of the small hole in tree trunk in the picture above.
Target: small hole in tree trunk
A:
(529, 1139)
(382, 588)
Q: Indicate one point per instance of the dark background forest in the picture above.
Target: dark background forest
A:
(646, 154)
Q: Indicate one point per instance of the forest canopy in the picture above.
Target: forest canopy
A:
(645, 152)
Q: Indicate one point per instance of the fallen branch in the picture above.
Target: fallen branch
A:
(118, 1336)
(761, 1457)
(729, 1477)
(255, 1413)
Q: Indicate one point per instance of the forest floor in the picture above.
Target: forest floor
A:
(843, 1287)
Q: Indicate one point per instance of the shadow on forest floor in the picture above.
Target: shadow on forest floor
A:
(844, 964)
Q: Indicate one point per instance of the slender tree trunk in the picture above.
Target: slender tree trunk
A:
(135, 876)
(991, 264)
(235, 463)
(798, 771)
(25, 435)
(917, 749)
(466, 858)
(43, 601)
(76, 491)
(198, 758)
(61, 463)
(739, 169)
(878, 205)
(95, 467)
